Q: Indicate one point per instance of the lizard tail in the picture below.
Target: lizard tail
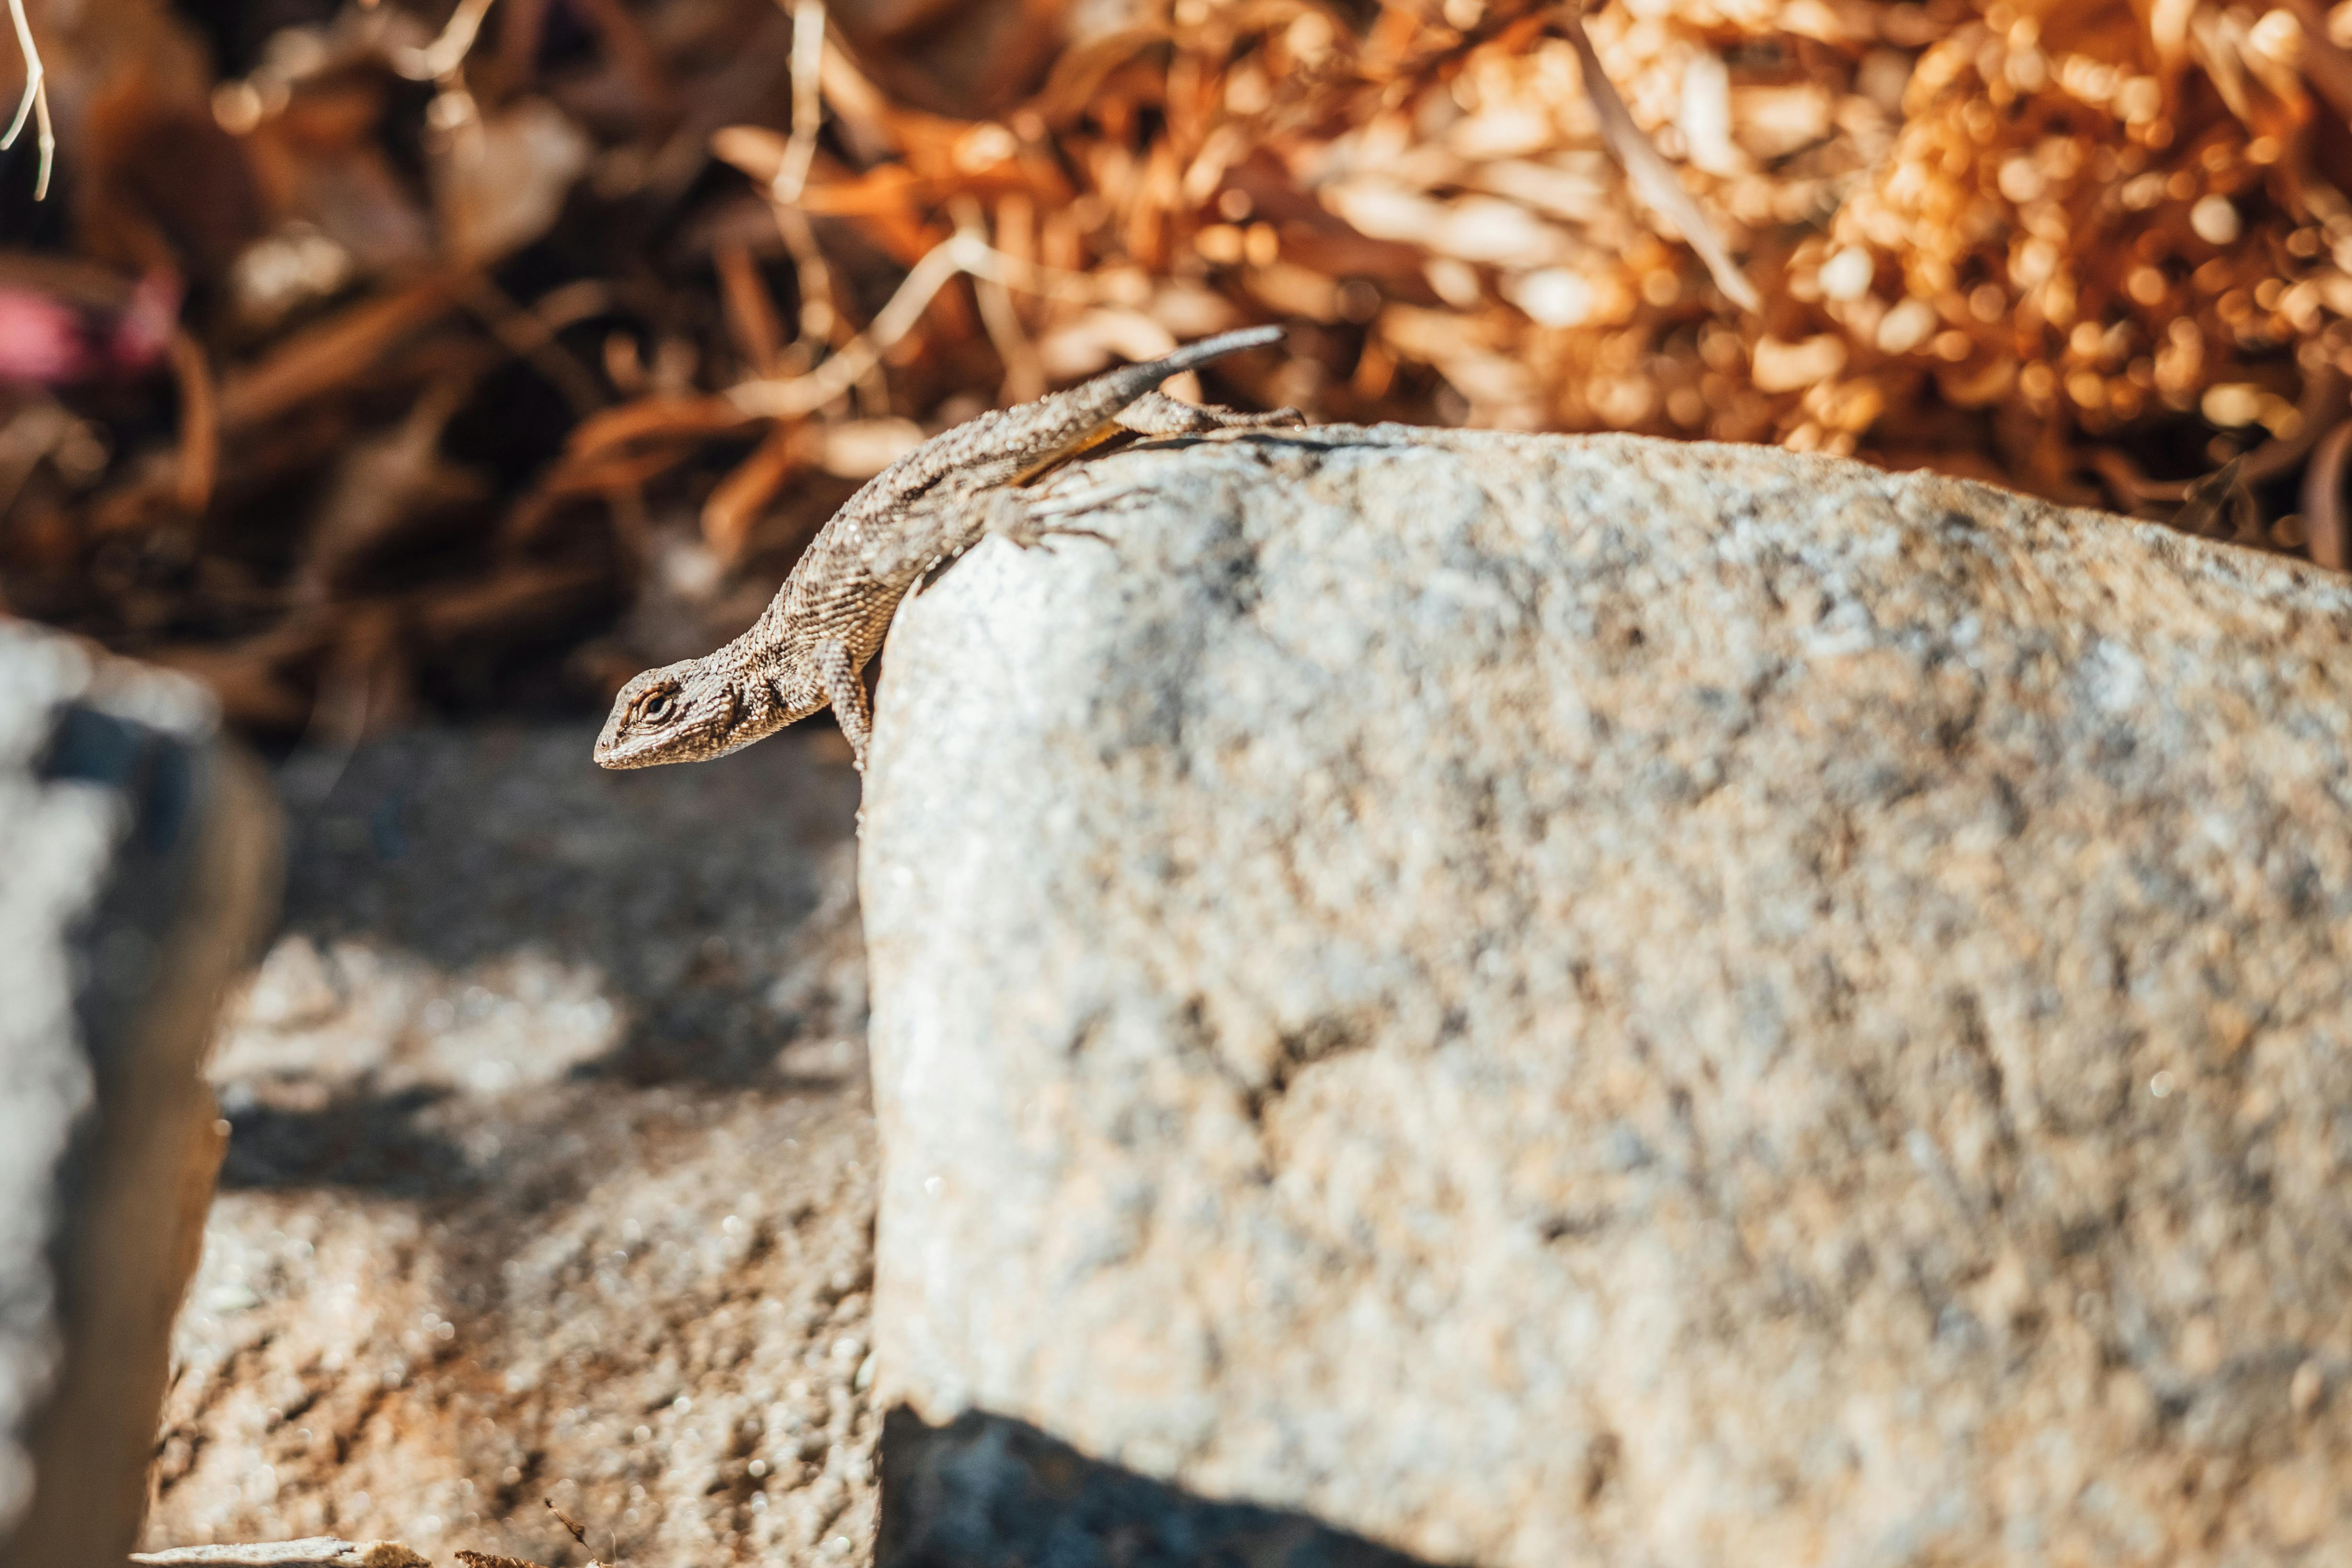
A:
(1068, 423)
(1195, 354)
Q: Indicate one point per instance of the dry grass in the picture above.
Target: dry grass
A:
(485, 345)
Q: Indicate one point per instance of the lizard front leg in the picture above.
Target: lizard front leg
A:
(947, 526)
(845, 687)
(932, 531)
(1014, 514)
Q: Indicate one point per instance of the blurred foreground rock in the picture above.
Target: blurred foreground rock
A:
(553, 1167)
(1553, 1001)
(138, 860)
(311, 1552)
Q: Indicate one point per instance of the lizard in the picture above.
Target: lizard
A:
(810, 647)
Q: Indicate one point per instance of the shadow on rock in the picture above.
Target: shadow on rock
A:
(988, 1489)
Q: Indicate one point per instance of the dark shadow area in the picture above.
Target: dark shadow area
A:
(700, 895)
(371, 1142)
(989, 1491)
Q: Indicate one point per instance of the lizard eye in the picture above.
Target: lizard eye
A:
(657, 708)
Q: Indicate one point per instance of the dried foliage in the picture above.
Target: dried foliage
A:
(394, 355)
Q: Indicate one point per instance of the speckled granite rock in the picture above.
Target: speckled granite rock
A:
(1555, 1001)
(552, 1169)
(137, 862)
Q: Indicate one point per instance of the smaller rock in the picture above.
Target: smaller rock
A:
(141, 861)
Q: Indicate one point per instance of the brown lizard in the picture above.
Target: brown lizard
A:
(811, 646)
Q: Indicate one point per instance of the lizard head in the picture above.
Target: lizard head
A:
(681, 712)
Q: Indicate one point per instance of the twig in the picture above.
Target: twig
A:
(736, 500)
(808, 99)
(531, 338)
(964, 252)
(820, 318)
(2219, 497)
(806, 394)
(1652, 177)
(569, 304)
(2321, 412)
(2326, 63)
(1033, 277)
(35, 102)
(2127, 483)
(325, 355)
(820, 321)
(519, 41)
(1024, 377)
(624, 37)
(445, 54)
(859, 356)
(2322, 499)
(199, 424)
(859, 108)
(655, 417)
(744, 300)
(563, 1518)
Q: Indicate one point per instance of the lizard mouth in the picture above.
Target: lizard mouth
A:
(612, 751)
(618, 760)
(620, 751)
(609, 755)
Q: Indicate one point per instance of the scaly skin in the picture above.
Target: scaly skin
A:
(810, 647)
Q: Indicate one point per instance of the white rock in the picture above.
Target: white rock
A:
(1554, 1001)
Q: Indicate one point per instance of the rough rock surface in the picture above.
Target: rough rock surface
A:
(136, 861)
(1558, 1001)
(552, 1168)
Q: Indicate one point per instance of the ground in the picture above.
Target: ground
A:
(552, 1173)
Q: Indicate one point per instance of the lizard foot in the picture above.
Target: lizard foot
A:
(1013, 515)
(845, 687)
(1156, 414)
